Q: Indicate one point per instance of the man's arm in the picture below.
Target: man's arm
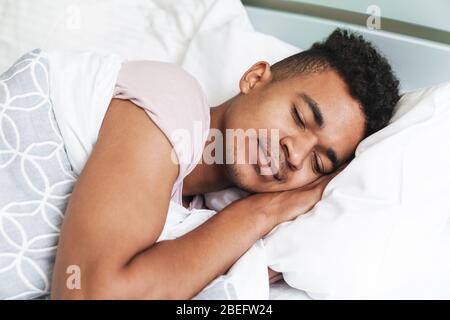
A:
(274, 276)
(119, 204)
(117, 211)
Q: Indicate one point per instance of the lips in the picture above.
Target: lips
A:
(264, 161)
(269, 168)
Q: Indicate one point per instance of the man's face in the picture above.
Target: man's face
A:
(319, 126)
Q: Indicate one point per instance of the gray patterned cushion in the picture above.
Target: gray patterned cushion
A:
(35, 180)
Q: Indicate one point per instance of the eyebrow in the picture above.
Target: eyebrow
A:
(318, 119)
(331, 154)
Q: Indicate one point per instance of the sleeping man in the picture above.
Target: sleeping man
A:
(299, 121)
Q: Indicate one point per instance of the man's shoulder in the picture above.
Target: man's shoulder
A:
(167, 85)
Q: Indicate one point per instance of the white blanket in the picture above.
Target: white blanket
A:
(82, 85)
(246, 279)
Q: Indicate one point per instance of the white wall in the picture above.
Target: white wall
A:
(431, 13)
(417, 62)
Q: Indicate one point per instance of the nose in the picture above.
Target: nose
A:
(297, 148)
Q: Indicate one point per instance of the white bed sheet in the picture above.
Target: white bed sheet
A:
(282, 291)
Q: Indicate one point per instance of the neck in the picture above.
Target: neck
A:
(210, 177)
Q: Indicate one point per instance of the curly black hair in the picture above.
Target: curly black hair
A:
(368, 75)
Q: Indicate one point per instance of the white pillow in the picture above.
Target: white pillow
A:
(225, 46)
(135, 29)
(382, 229)
(212, 39)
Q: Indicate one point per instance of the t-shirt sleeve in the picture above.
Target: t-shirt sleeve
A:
(174, 100)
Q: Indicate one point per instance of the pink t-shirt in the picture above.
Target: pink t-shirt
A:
(175, 102)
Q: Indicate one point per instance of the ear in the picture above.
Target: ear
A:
(258, 74)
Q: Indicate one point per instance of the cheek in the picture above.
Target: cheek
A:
(274, 116)
(240, 120)
(267, 114)
(302, 179)
(259, 113)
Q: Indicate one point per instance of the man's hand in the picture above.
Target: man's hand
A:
(274, 276)
(287, 205)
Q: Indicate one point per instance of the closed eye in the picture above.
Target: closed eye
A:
(317, 161)
(298, 118)
(318, 165)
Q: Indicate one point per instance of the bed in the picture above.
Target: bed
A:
(189, 33)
